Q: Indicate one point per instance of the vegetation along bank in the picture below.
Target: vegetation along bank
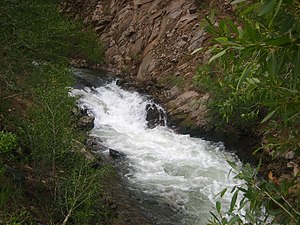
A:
(246, 54)
(44, 179)
(248, 62)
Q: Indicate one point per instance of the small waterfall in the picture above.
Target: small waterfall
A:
(184, 172)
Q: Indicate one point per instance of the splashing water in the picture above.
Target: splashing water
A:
(187, 173)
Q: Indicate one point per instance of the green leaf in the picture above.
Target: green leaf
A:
(259, 165)
(297, 62)
(253, 80)
(243, 76)
(266, 7)
(251, 32)
(237, 1)
(269, 116)
(223, 192)
(279, 41)
(243, 203)
(212, 15)
(276, 12)
(209, 27)
(232, 164)
(235, 220)
(224, 27)
(272, 64)
(222, 40)
(218, 206)
(216, 218)
(282, 58)
(287, 24)
(232, 25)
(233, 201)
(217, 55)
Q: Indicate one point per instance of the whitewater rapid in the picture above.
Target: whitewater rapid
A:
(186, 173)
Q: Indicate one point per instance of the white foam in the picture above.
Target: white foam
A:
(187, 172)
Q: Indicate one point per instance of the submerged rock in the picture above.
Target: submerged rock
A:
(155, 116)
(116, 154)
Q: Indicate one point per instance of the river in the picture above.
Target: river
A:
(183, 172)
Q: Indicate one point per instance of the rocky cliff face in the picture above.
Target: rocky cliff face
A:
(151, 41)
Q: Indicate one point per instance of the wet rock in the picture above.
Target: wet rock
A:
(153, 40)
(95, 144)
(116, 154)
(155, 116)
(86, 122)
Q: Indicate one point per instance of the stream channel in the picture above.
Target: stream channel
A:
(174, 170)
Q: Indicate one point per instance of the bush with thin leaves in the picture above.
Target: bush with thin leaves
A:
(258, 201)
(254, 70)
(253, 75)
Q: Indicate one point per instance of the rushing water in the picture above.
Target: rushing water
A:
(186, 173)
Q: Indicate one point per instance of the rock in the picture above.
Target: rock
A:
(95, 143)
(84, 112)
(290, 155)
(116, 154)
(155, 116)
(152, 39)
(86, 122)
(193, 9)
(76, 111)
(189, 109)
(181, 43)
(88, 156)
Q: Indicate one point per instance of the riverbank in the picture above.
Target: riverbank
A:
(159, 61)
(169, 75)
(44, 177)
(38, 153)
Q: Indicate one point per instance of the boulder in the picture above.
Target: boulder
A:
(155, 116)
(86, 122)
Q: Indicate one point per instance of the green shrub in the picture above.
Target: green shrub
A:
(78, 191)
(37, 44)
(8, 142)
(258, 201)
(254, 70)
(253, 75)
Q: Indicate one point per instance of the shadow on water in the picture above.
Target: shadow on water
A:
(90, 78)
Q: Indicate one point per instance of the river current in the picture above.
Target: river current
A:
(186, 173)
